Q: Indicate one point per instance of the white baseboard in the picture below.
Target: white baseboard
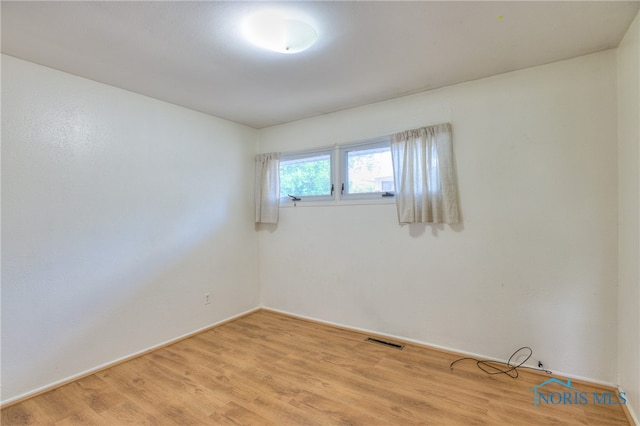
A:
(438, 347)
(293, 315)
(631, 415)
(113, 363)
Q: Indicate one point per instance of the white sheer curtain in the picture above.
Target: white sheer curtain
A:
(267, 189)
(424, 175)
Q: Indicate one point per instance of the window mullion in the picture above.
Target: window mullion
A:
(302, 175)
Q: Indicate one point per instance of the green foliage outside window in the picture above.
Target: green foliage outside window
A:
(308, 177)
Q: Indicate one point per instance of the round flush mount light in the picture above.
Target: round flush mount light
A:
(274, 30)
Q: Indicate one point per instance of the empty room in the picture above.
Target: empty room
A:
(320, 213)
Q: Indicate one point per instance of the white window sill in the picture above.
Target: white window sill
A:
(338, 203)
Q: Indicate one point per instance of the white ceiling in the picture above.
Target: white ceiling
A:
(192, 53)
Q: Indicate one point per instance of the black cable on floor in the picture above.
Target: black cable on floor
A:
(499, 367)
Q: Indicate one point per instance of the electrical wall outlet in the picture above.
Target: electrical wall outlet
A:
(207, 298)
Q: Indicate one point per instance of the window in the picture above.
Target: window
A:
(306, 176)
(361, 171)
(367, 170)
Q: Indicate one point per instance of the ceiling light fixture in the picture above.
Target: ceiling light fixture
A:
(276, 31)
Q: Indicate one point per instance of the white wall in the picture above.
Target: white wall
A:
(535, 261)
(119, 212)
(629, 213)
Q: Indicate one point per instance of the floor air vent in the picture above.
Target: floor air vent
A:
(384, 343)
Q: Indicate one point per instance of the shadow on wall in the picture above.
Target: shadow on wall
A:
(417, 230)
(270, 227)
(83, 319)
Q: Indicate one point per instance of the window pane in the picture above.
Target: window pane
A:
(370, 170)
(304, 177)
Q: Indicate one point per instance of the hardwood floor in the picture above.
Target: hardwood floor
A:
(268, 368)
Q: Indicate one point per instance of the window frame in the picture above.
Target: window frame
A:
(343, 153)
(298, 155)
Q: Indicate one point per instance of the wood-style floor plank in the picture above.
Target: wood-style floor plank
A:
(271, 369)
